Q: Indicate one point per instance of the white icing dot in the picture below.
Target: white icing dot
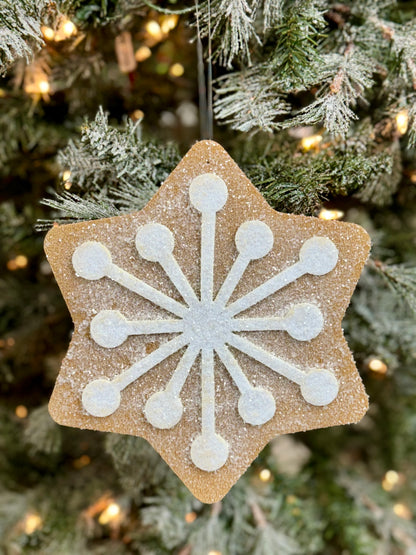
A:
(208, 192)
(254, 239)
(318, 256)
(304, 322)
(91, 260)
(319, 387)
(209, 452)
(256, 406)
(101, 398)
(154, 242)
(109, 328)
(163, 410)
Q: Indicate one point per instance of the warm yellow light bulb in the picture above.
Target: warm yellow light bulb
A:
(378, 366)
(154, 30)
(110, 513)
(21, 261)
(402, 121)
(265, 475)
(68, 28)
(390, 480)
(47, 32)
(326, 214)
(176, 70)
(21, 411)
(402, 511)
(311, 142)
(142, 53)
(44, 86)
(84, 460)
(66, 175)
(168, 22)
(190, 517)
(31, 523)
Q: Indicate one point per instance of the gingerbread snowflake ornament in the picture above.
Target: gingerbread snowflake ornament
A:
(207, 322)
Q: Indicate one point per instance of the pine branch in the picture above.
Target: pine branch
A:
(112, 171)
(272, 13)
(401, 279)
(232, 23)
(297, 52)
(20, 34)
(250, 100)
(344, 80)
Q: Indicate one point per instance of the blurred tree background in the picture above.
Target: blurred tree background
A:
(316, 101)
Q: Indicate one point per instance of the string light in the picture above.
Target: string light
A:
(31, 523)
(413, 177)
(137, 114)
(168, 22)
(377, 366)
(47, 32)
(68, 28)
(176, 70)
(402, 121)
(313, 141)
(265, 475)
(390, 480)
(110, 514)
(10, 341)
(326, 214)
(21, 411)
(214, 553)
(401, 510)
(66, 175)
(84, 460)
(142, 53)
(154, 30)
(190, 517)
(17, 263)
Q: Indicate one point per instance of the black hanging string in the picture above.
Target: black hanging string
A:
(204, 85)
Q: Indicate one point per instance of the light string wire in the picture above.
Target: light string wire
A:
(202, 90)
(210, 112)
(205, 91)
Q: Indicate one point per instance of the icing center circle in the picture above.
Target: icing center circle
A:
(207, 325)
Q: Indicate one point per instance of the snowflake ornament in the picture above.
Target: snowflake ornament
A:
(207, 323)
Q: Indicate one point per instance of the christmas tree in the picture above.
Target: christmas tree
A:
(316, 102)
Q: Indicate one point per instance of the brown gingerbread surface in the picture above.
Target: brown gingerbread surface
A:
(87, 361)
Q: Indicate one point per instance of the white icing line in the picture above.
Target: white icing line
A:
(174, 271)
(109, 328)
(164, 408)
(271, 361)
(181, 372)
(208, 193)
(230, 282)
(234, 369)
(209, 451)
(266, 289)
(303, 322)
(155, 242)
(144, 365)
(256, 405)
(317, 256)
(146, 291)
(254, 239)
(207, 255)
(207, 392)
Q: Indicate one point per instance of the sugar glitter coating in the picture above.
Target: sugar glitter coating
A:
(207, 324)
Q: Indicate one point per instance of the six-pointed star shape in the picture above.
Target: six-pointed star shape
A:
(207, 267)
